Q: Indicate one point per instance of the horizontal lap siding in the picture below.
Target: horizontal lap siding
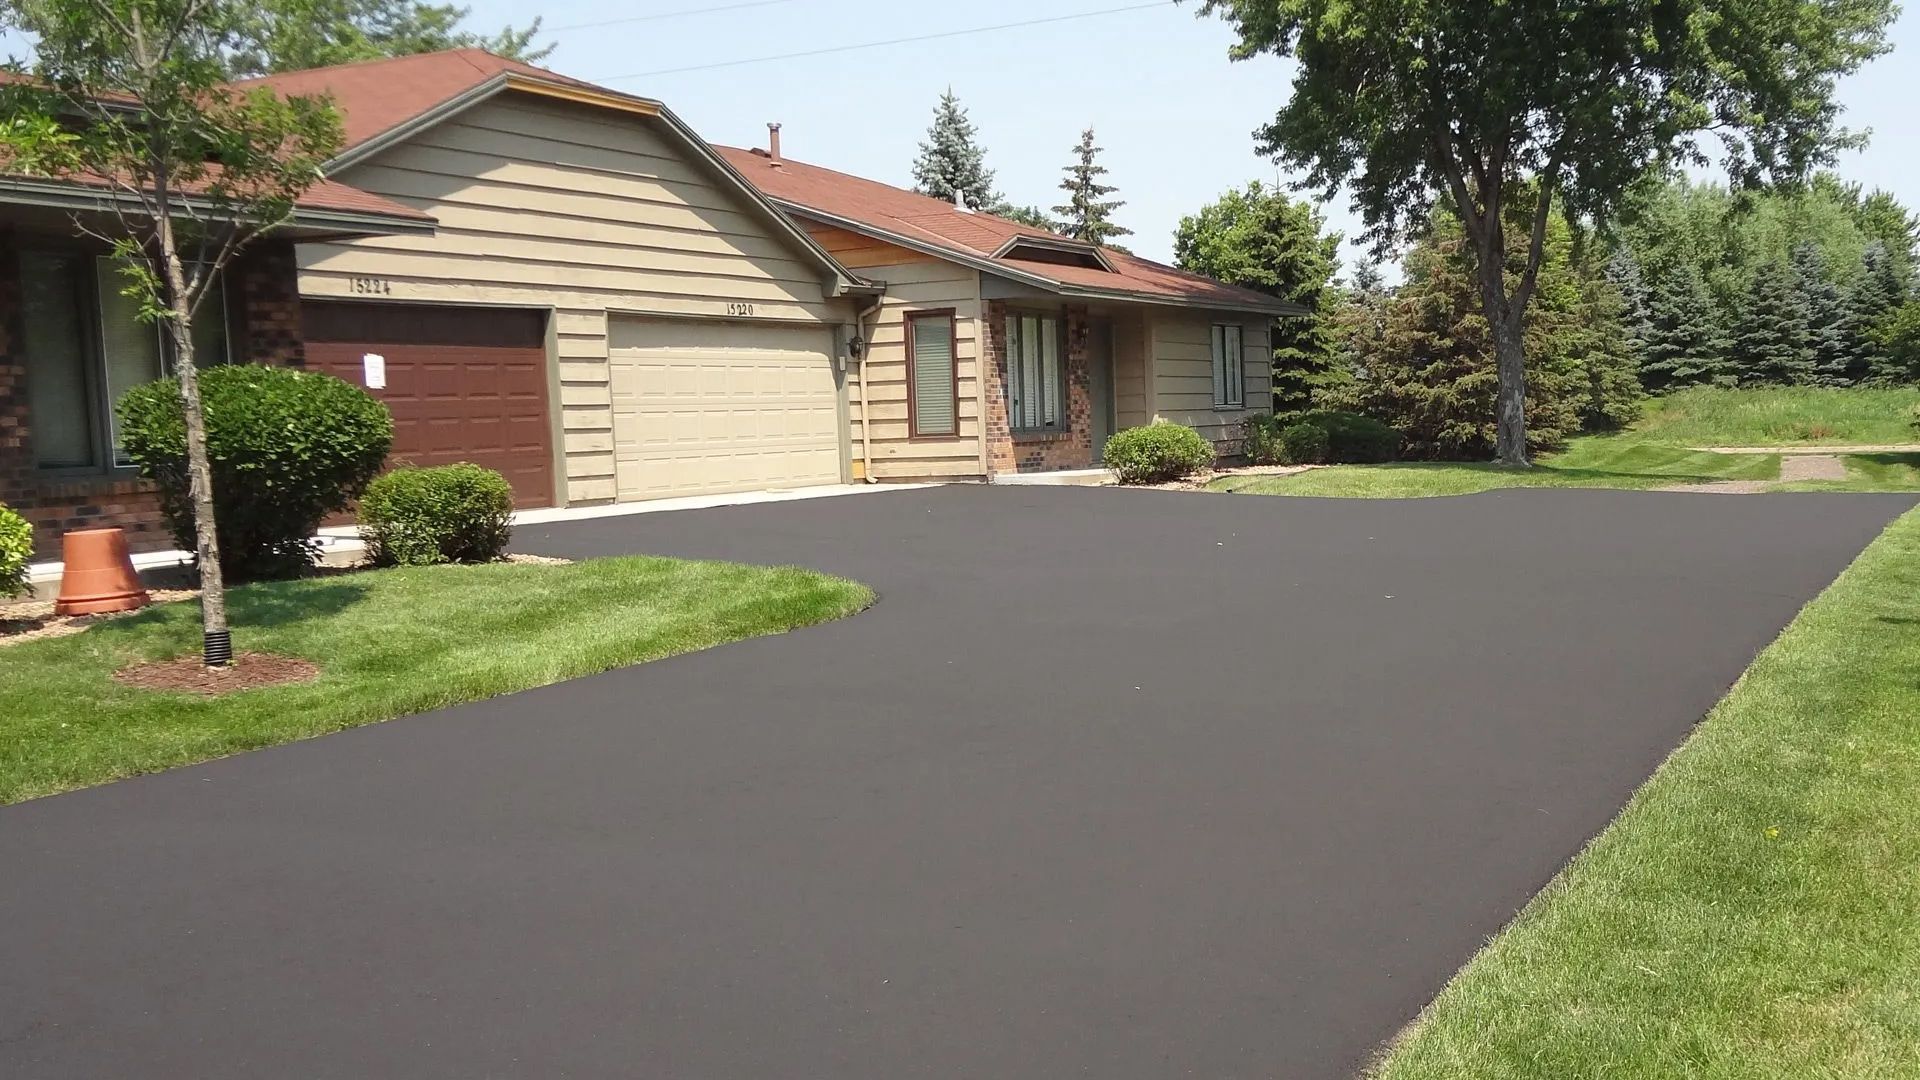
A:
(920, 285)
(1183, 372)
(565, 208)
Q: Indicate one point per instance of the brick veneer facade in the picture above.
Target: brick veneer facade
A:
(1022, 452)
(264, 326)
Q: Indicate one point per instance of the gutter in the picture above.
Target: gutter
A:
(866, 417)
(83, 197)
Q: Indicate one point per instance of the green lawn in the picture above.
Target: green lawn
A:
(389, 643)
(1755, 910)
(1782, 416)
(1609, 461)
(1655, 453)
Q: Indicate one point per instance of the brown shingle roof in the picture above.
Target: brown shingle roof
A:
(376, 96)
(974, 235)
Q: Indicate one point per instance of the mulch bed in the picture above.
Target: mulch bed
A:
(249, 671)
(31, 620)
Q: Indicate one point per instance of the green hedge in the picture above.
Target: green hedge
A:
(287, 448)
(452, 513)
(16, 551)
(1157, 453)
(1304, 444)
(1260, 440)
(1353, 439)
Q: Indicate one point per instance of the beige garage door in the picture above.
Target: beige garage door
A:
(701, 407)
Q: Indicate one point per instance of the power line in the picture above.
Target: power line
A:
(663, 15)
(883, 44)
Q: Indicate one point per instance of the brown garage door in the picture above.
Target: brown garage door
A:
(464, 384)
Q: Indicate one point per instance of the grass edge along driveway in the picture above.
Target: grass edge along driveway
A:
(1755, 909)
(389, 643)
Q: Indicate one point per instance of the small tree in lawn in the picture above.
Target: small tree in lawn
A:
(952, 162)
(1088, 213)
(1538, 105)
(126, 97)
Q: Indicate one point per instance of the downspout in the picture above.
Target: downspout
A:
(866, 419)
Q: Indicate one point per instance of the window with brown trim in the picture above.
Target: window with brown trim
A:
(1036, 373)
(933, 380)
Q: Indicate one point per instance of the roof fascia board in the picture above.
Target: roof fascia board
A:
(63, 197)
(1056, 243)
(1277, 309)
(975, 262)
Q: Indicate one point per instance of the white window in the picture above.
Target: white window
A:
(1036, 386)
(1229, 367)
(84, 347)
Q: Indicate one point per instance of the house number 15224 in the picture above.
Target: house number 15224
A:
(371, 286)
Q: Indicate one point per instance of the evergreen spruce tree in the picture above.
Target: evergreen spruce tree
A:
(1636, 321)
(1826, 338)
(1876, 294)
(1770, 347)
(1682, 346)
(951, 160)
(1088, 214)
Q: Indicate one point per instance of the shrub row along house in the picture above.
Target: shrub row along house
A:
(568, 285)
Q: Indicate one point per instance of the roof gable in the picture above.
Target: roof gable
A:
(985, 241)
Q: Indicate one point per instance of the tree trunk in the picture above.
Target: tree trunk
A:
(1510, 404)
(216, 643)
(1505, 323)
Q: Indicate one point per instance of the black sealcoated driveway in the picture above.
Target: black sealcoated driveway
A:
(1108, 784)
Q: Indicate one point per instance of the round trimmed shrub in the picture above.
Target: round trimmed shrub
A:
(449, 513)
(1304, 444)
(16, 551)
(287, 448)
(1353, 439)
(1157, 453)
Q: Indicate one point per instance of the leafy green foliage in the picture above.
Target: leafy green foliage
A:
(1826, 331)
(1423, 359)
(1506, 109)
(450, 513)
(951, 160)
(1260, 440)
(1303, 443)
(287, 448)
(1872, 301)
(16, 551)
(290, 35)
(1157, 453)
(1088, 213)
(1258, 238)
(1353, 439)
(1031, 216)
(1685, 345)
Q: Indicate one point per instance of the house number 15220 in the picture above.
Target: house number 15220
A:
(739, 309)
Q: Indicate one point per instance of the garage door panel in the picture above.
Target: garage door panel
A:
(463, 384)
(703, 408)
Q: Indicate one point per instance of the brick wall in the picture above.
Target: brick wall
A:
(264, 291)
(1012, 452)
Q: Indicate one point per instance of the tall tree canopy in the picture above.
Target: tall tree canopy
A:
(288, 35)
(130, 94)
(951, 160)
(1258, 238)
(1088, 213)
(1533, 105)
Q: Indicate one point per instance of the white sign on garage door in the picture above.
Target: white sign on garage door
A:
(708, 407)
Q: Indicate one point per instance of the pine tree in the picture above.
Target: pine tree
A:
(1876, 294)
(952, 161)
(1682, 346)
(1636, 322)
(1826, 339)
(1087, 215)
(1605, 344)
(1771, 347)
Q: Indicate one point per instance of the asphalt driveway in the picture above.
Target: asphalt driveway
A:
(1108, 784)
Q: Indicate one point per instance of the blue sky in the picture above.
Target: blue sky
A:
(1175, 116)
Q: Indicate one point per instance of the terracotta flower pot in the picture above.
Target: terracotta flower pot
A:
(98, 576)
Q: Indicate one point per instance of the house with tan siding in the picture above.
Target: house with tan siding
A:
(565, 283)
(999, 348)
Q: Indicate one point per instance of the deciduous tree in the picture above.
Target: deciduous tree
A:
(273, 36)
(1543, 105)
(127, 97)
(1258, 238)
